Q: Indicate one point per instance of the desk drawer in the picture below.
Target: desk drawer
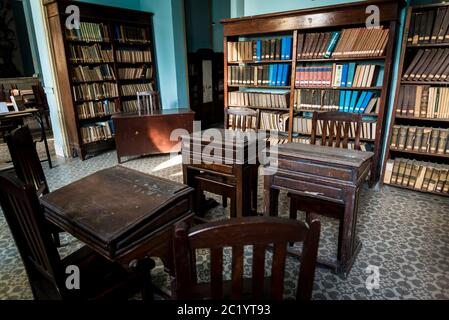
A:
(220, 168)
(309, 188)
(334, 172)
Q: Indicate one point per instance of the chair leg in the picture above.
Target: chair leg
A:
(225, 201)
(340, 235)
(145, 267)
(293, 213)
(233, 207)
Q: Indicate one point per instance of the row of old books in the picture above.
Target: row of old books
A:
(423, 176)
(420, 139)
(428, 65)
(260, 50)
(88, 31)
(88, 54)
(132, 89)
(337, 75)
(307, 140)
(97, 132)
(259, 99)
(423, 102)
(133, 55)
(144, 72)
(274, 121)
(337, 100)
(303, 125)
(95, 91)
(129, 106)
(349, 43)
(99, 73)
(131, 34)
(94, 109)
(267, 75)
(430, 26)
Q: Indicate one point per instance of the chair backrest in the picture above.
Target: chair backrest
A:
(260, 232)
(40, 96)
(26, 160)
(336, 127)
(148, 102)
(242, 119)
(28, 226)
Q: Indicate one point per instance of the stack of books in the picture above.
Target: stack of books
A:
(430, 26)
(260, 50)
(420, 139)
(419, 175)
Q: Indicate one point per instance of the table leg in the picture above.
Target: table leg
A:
(239, 194)
(40, 121)
(271, 197)
(347, 230)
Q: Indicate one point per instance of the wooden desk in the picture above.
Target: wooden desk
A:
(138, 135)
(13, 119)
(122, 214)
(232, 170)
(328, 174)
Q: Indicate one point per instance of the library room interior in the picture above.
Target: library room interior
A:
(224, 150)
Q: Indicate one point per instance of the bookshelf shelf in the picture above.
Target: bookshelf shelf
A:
(351, 139)
(321, 22)
(340, 88)
(261, 108)
(100, 36)
(341, 59)
(426, 154)
(420, 92)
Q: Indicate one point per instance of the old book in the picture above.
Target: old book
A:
(433, 180)
(441, 180)
(429, 24)
(427, 61)
(401, 172)
(413, 175)
(425, 140)
(424, 100)
(411, 31)
(418, 139)
(300, 45)
(438, 22)
(416, 60)
(400, 101)
(402, 137)
(434, 140)
(427, 177)
(406, 101)
(422, 27)
(433, 66)
(418, 98)
(446, 185)
(417, 27)
(444, 27)
(394, 137)
(442, 142)
(421, 175)
(410, 138)
(440, 72)
(407, 173)
(440, 59)
(395, 172)
(388, 171)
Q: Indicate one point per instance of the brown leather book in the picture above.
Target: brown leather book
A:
(401, 172)
(441, 180)
(427, 63)
(402, 138)
(442, 142)
(413, 175)
(425, 143)
(395, 171)
(422, 27)
(433, 65)
(383, 43)
(417, 28)
(418, 98)
(416, 60)
(440, 61)
(411, 31)
(418, 139)
(433, 180)
(446, 184)
(300, 45)
(434, 140)
(429, 24)
(307, 45)
(438, 22)
(324, 45)
(406, 102)
(407, 173)
(444, 27)
(388, 171)
(394, 137)
(421, 174)
(400, 102)
(317, 45)
(427, 177)
(410, 138)
(437, 74)
(424, 101)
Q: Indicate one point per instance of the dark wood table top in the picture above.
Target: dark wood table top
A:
(112, 207)
(155, 113)
(15, 114)
(324, 154)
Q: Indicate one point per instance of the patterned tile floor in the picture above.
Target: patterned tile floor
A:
(404, 233)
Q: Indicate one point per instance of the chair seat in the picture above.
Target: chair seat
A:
(102, 279)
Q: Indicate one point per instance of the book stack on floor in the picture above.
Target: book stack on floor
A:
(420, 125)
(418, 175)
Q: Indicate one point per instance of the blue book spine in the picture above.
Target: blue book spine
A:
(280, 70)
(351, 73)
(284, 75)
(289, 43)
(355, 94)
(344, 75)
(347, 100)
(366, 101)
(359, 102)
(273, 74)
(342, 101)
(283, 48)
(258, 50)
(332, 44)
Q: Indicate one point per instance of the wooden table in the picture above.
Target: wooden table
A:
(332, 175)
(14, 119)
(234, 166)
(147, 134)
(122, 214)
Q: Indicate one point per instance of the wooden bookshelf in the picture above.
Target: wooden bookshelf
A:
(321, 19)
(408, 52)
(135, 30)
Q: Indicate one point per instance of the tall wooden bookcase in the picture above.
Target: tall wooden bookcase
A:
(321, 19)
(408, 52)
(122, 30)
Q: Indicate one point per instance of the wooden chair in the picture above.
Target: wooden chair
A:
(28, 166)
(99, 278)
(41, 102)
(260, 232)
(242, 119)
(335, 133)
